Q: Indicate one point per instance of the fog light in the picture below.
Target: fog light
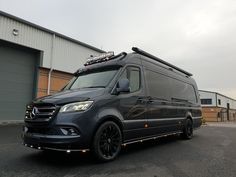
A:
(69, 131)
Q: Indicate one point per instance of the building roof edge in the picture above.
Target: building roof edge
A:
(49, 31)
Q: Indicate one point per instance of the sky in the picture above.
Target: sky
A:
(196, 35)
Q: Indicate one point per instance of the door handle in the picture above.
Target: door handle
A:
(141, 100)
(145, 99)
(150, 100)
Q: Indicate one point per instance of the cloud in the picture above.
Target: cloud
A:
(198, 36)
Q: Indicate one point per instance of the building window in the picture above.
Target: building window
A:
(219, 102)
(206, 101)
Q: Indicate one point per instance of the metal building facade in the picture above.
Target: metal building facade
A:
(34, 62)
(217, 107)
(58, 51)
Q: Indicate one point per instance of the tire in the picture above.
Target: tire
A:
(107, 142)
(188, 129)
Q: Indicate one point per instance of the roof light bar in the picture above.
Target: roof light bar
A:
(101, 58)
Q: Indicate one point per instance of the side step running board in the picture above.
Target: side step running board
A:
(151, 138)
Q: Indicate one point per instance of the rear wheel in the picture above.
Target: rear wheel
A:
(188, 129)
(107, 141)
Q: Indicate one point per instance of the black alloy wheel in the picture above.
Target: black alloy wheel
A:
(107, 141)
(188, 129)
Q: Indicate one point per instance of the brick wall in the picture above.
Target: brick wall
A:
(216, 114)
(58, 81)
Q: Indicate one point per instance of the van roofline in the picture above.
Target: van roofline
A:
(120, 59)
(146, 54)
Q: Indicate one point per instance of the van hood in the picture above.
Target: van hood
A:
(69, 96)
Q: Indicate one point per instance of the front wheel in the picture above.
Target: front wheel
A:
(107, 141)
(188, 129)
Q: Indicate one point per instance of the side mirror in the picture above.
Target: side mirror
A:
(123, 86)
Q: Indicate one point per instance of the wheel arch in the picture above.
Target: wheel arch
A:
(107, 118)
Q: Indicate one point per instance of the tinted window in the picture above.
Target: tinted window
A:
(206, 101)
(183, 91)
(94, 79)
(158, 85)
(161, 86)
(133, 75)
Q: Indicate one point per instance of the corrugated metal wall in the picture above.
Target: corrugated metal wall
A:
(225, 100)
(208, 95)
(67, 55)
(214, 96)
(28, 36)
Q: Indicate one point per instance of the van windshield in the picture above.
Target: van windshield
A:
(94, 79)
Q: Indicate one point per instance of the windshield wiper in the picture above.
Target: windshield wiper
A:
(98, 86)
(157, 98)
(180, 100)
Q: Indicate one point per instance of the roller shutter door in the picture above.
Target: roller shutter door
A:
(17, 80)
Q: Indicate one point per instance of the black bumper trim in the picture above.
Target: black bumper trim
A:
(36, 135)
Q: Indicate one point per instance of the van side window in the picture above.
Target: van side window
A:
(133, 75)
(164, 87)
(158, 85)
(182, 90)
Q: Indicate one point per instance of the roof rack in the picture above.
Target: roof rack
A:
(141, 52)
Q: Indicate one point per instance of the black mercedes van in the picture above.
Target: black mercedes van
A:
(115, 100)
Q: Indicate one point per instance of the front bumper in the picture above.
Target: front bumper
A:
(53, 142)
(49, 134)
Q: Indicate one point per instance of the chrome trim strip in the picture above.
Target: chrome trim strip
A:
(162, 119)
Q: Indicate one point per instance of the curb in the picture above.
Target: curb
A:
(9, 123)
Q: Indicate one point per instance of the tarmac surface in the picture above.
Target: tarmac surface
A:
(211, 153)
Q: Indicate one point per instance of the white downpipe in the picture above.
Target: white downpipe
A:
(49, 81)
(51, 65)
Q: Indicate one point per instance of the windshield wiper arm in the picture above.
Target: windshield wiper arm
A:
(98, 86)
(157, 98)
(180, 100)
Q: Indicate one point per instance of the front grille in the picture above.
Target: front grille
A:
(40, 112)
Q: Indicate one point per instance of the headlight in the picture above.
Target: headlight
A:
(78, 106)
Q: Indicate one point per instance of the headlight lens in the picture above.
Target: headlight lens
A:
(78, 106)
